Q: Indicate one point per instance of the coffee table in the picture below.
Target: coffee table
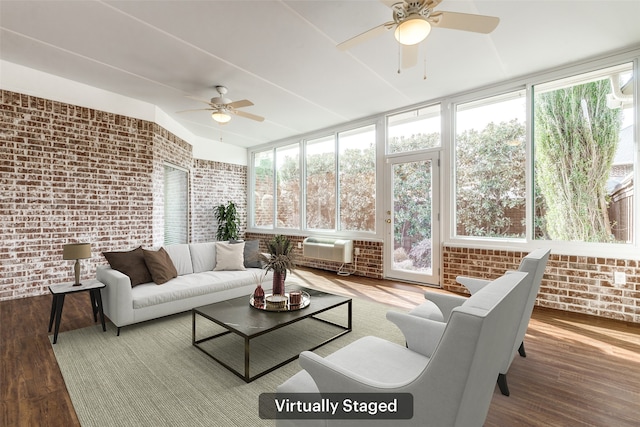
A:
(238, 317)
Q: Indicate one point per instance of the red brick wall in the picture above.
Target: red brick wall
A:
(73, 174)
(213, 184)
(571, 283)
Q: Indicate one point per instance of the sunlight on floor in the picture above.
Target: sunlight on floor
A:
(622, 344)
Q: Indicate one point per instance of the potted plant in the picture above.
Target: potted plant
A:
(228, 223)
(281, 258)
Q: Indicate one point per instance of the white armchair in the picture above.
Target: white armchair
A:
(439, 306)
(450, 371)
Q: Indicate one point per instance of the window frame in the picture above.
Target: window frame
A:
(170, 198)
(621, 250)
(304, 230)
(448, 103)
(305, 143)
(475, 103)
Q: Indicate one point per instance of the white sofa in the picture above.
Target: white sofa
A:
(197, 284)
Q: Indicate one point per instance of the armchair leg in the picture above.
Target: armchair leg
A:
(521, 350)
(502, 383)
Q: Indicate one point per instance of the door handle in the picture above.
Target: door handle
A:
(388, 221)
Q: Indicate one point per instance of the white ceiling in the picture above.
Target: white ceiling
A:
(282, 56)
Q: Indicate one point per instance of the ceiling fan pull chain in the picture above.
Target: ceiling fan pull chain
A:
(399, 58)
(424, 77)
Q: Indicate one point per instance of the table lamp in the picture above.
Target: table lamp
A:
(76, 251)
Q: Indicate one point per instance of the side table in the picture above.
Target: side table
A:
(59, 292)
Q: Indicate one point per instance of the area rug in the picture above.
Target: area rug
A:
(151, 375)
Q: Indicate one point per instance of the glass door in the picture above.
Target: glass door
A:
(412, 237)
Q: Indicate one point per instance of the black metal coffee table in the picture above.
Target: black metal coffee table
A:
(238, 317)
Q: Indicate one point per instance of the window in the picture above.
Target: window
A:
(321, 183)
(584, 157)
(288, 186)
(176, 205)
(414, 130)
(490, 167)
(339, 183)
(263, 189)
(550, 160)
(357, 179)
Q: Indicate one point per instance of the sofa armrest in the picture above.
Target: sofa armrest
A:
(422, 335)
(117, 298)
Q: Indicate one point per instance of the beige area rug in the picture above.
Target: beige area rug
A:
(151, 375)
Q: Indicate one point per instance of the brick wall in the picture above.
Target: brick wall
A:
(73, 174)
(571, 283)
(367, 264)
(215, 183)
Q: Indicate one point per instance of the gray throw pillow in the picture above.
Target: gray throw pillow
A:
(251, 252)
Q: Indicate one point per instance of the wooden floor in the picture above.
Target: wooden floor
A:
(579, 370)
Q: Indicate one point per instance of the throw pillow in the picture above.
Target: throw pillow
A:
(229, 256)
(251, 252)
(160, 265)
(130, 263)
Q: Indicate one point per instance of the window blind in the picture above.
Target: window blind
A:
(176, 205)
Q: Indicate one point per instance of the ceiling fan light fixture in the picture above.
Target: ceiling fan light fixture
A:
(220, 116)
(412, 30)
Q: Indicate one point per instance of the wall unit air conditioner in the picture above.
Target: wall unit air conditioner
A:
(328, 249)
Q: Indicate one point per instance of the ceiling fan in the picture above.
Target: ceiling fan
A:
(222, 108)
(412, 22)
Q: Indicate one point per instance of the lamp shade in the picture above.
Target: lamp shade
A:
(220, 116)
(76, 251)
(412, 30)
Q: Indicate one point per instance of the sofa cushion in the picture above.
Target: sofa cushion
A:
(203, 256)
(229, 256)
(251, 253)
(181, 258)
(160, 265)
(130, 263)
(193, 285)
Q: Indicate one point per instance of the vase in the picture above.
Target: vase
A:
(278, 282)
(258, 294)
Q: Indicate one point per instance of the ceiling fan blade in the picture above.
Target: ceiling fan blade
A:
(241, 103)
(197, 109)
(198, 99)
(409, 55)
(464, 21)
(248, 115)
(367, 35)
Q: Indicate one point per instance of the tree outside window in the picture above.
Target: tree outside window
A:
(288, 186)
(263, 189)
(490, 167)
(578, 124)
(357, 179)
(321, 183)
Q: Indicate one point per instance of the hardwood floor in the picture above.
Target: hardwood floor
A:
(579, 370)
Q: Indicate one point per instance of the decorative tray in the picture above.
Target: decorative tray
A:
(280, 302)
